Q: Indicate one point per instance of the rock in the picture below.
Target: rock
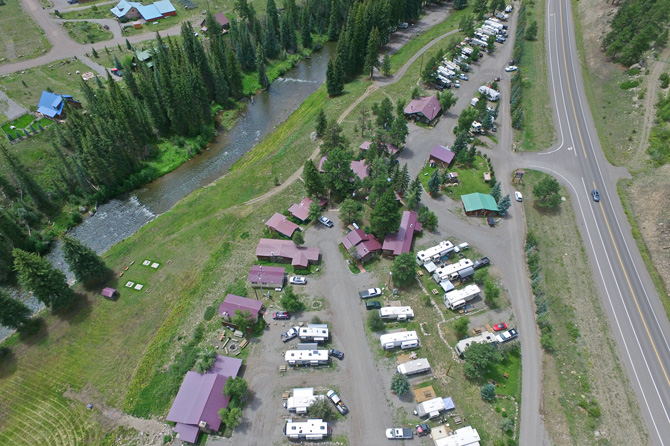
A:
(82, 209)
(314, 136)
(635, 66)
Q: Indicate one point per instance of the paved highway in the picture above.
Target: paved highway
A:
(636, 314)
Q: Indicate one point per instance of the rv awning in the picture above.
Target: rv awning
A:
(430, 267)
(448, 404)
(447, 286)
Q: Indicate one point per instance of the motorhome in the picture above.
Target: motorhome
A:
(490, 93)
(306, 357)
(484, 338)
(413, 367)
(434, 253)
(457, 298)
(402, 339)
(444, 272)
(316, 429)
(301, 399)
(313, 333)
(396, 313)
(494, 24)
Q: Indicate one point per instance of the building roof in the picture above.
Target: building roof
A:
(164, 6)
(187, 432)
(478, 201)
(233, 303)
(281, 224)
(301, 210)
(390, 148)
(424, 394)
(51, 104)
(465, 436)
(299, 255)
(226, 366)
(443, 154)
(401, 242)
(148, 12)
(266, 274)
(428, 106)
(221, 19)
(364, 243)
(199, 399)
(108, 292)
(360, 169)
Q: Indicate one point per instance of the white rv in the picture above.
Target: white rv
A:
(313, 333)
(457, 298)
(307, 430)
(434, 253)
(306, 357)
(433, 407)
(301, 400)
(417, 366)
(484, 338)
(490, 93)
(396, 313)
(446, 271)
(494, 24)
(402, 339)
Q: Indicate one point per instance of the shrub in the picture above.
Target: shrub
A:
(488, 393)
(627, 85)
(461, 327)
(375, 322)
(507, 425)
(400, 384)
(209, 313)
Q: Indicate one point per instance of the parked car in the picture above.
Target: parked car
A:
(281, 315)
(596, 195)
(339, 405)
(463, 77)
(511, 68)
(479, 263)
(290, 334)
(500, 327)
(297, 280)
(507, 336)
(372, 292)
(497, 79)
(116, 72)
(372, 305)
(336, 354)
(399, 433)
(491, 221)
(457, 84)
(422, 429)
(461, 247)
(403, 25)
(325, 221)
(494, 128)
(518, 196)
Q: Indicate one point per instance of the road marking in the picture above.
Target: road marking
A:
(567, 78)
(616, 317)
(637, 305)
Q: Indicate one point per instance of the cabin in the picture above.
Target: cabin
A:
(479, 205)
(441, 156)
(266, 276)
(425, 110)
(232, 303)
(401, 242)
(363, 247)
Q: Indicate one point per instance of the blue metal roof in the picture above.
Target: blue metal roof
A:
(50, 104)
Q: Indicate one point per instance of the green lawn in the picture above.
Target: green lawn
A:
(20, 123)
(471, 179)
(19, 34)
(87, 32)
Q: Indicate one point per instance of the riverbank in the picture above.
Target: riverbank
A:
(107, 351)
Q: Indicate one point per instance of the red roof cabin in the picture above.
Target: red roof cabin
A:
(365, 245)
(220, 18)
(233, 303)
(425, 110)
(286, 251)
(401, 242)
(266, 276)
(441, 156)
(301, 210)
(390, 148)
(358, 167)
(279, 223)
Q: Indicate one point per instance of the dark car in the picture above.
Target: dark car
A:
(422, 429)
(596, 195)
(336, 354)
(281, 315)
(491, 221)
(372, 305)
(116, 72)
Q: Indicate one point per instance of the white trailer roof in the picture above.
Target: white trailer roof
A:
(444, 248)
(302, 397)
(465, 436)
(398, 337)
(306, 355)
(396, 311)
(484, 338)
(410, 367)
(313, 330)
(309, 427)
(444, 271)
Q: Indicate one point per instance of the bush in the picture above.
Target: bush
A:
(488, 393)
(547, 342)
(627, 85)
(209, 313)
(375, 322)
(400, 384)
(461, 327)
(316, 320)
(507, 425)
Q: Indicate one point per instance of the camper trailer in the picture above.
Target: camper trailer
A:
(301, 399)
(433, 407)
(307, 430)
(413, 367)
(445, 272)
(434, 253)
(396, 313)
(402, 339)
(306, 357)
(484, 338)
(490, 93)
(457, 298)
(313, 333)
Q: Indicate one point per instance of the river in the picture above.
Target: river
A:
(123, 216)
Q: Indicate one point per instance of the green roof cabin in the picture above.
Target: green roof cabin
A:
(479, 205)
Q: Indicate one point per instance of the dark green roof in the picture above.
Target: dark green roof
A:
(477, 202)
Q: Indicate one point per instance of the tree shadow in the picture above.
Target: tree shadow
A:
(108, 276)
(78, 311)
(8, 363)
(33, 331)
(548, 212)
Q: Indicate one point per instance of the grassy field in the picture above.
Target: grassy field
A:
(87, 32)
(19, 34)
(538, 132)
(471, 179)
(585, 387)
(111, 351)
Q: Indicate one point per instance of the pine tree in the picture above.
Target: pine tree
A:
(213, 27)
(371, 56)
(270, 42)
(128, 45)
(321, 123)
(333, 25)
(386, 65)
(38, 276)
(402, 183)
(503, 205)
(27, 182)
(334, 82)
(306, 29)
(495, 192)
(399, 132)
(117, 63)
(434, 182)
(385, 216)
(414, 193)
(273, 16)
(314, 184)
(95, 53)
(13, 313)
(260, 67)
(87, 266)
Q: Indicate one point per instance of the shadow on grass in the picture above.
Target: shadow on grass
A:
(8, 361)
(78, 311)
(548, 212)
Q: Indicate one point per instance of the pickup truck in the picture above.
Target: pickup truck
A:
(399, 433)
(372, 292)
(290, 334)
(484, 261)
(507, 335)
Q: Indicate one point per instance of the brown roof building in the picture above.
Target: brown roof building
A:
(366, 244)
(286, 251)
(279, 223)
(425, 109)
(266, 276)
(401, 242)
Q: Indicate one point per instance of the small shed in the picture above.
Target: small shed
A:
(109, 293)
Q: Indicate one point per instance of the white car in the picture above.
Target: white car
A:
(511, 68)
(457, 84)
(461, 247)
(518, 196)
(297, 280)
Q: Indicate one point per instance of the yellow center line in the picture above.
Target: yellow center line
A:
(637, 305)
(567, 79)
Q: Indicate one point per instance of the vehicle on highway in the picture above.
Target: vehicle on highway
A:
(518, 196)
(297, 280)
(399, 433)
(372, 292)
(325, 221)
(290, 334)
(422, 429)
(332, 396)
(596, 195)
(336, 354)
(281, 315)
(463, 77)
(373, 305)
(507, 336)
(500, 327)
(511, 68)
